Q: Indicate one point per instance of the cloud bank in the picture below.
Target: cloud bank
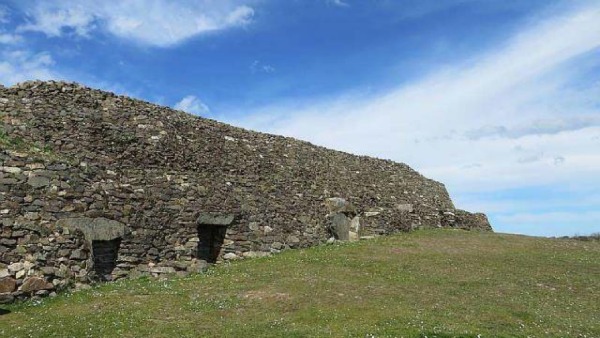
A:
(523, 114)
(159, 23)
(21, 65)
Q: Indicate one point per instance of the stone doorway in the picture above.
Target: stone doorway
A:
(210, 241)
(212, 229)
(105, 255)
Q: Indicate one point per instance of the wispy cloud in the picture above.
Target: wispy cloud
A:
(192, 104)
(143, 21)
(9, 39)
(338, 3)
(440, 124)
(259, 67)
(21, 65)
(537, 127)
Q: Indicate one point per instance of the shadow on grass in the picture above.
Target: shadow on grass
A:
(4, 312)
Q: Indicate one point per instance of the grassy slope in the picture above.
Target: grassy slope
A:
(441, 283)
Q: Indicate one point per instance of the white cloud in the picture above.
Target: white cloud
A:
(259, 67)
(8, 39)
(537, 127)
(159, 23)
(522, 89)
(19, 65)
(192, 104)
(339, 3)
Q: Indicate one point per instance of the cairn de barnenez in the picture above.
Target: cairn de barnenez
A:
(95, 186)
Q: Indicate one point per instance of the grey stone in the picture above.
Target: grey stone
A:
(6, 298)
(293, 239)
(11, 170)
(162, 269)
(355, 224)
(8, 241)
(197, 266)
(48, 270)
(212, 218)
(95, 229)
(339, 205)
(14, 267)
(340, 226)
(404, 207)
(78, 254)
(38, 181)
(230, 256)
(372, 213)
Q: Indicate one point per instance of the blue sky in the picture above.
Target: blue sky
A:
(498, 99)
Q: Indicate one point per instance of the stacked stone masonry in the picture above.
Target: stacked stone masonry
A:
(95, 186)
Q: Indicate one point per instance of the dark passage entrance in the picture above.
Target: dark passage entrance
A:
(211, 239)
(105, 257)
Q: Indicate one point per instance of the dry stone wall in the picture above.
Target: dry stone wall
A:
(96, 186)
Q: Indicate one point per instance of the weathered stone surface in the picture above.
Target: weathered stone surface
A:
(95, 229)
(6, 298)
(405, 207)
(340, 226)
(372, 213)
(354, 232)
(467, 220)
(38, 181)
(339, 205)
(33, 284)
(7, 285)
(11, 170)
(197, 266)
(215, 219)
(78, 254)
(162, 269)
(229, 256)
(14, 267)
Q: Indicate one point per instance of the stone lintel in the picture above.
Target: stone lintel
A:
(215, 218)
(95, 229)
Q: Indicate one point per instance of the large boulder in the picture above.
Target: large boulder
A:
(340, 226)
(7, 285)
(339, 205)
(33, 284)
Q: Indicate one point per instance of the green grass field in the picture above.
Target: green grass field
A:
(429, 283)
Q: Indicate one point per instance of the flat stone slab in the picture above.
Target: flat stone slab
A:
(213, 218)
(33, 284)
(95, 229)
